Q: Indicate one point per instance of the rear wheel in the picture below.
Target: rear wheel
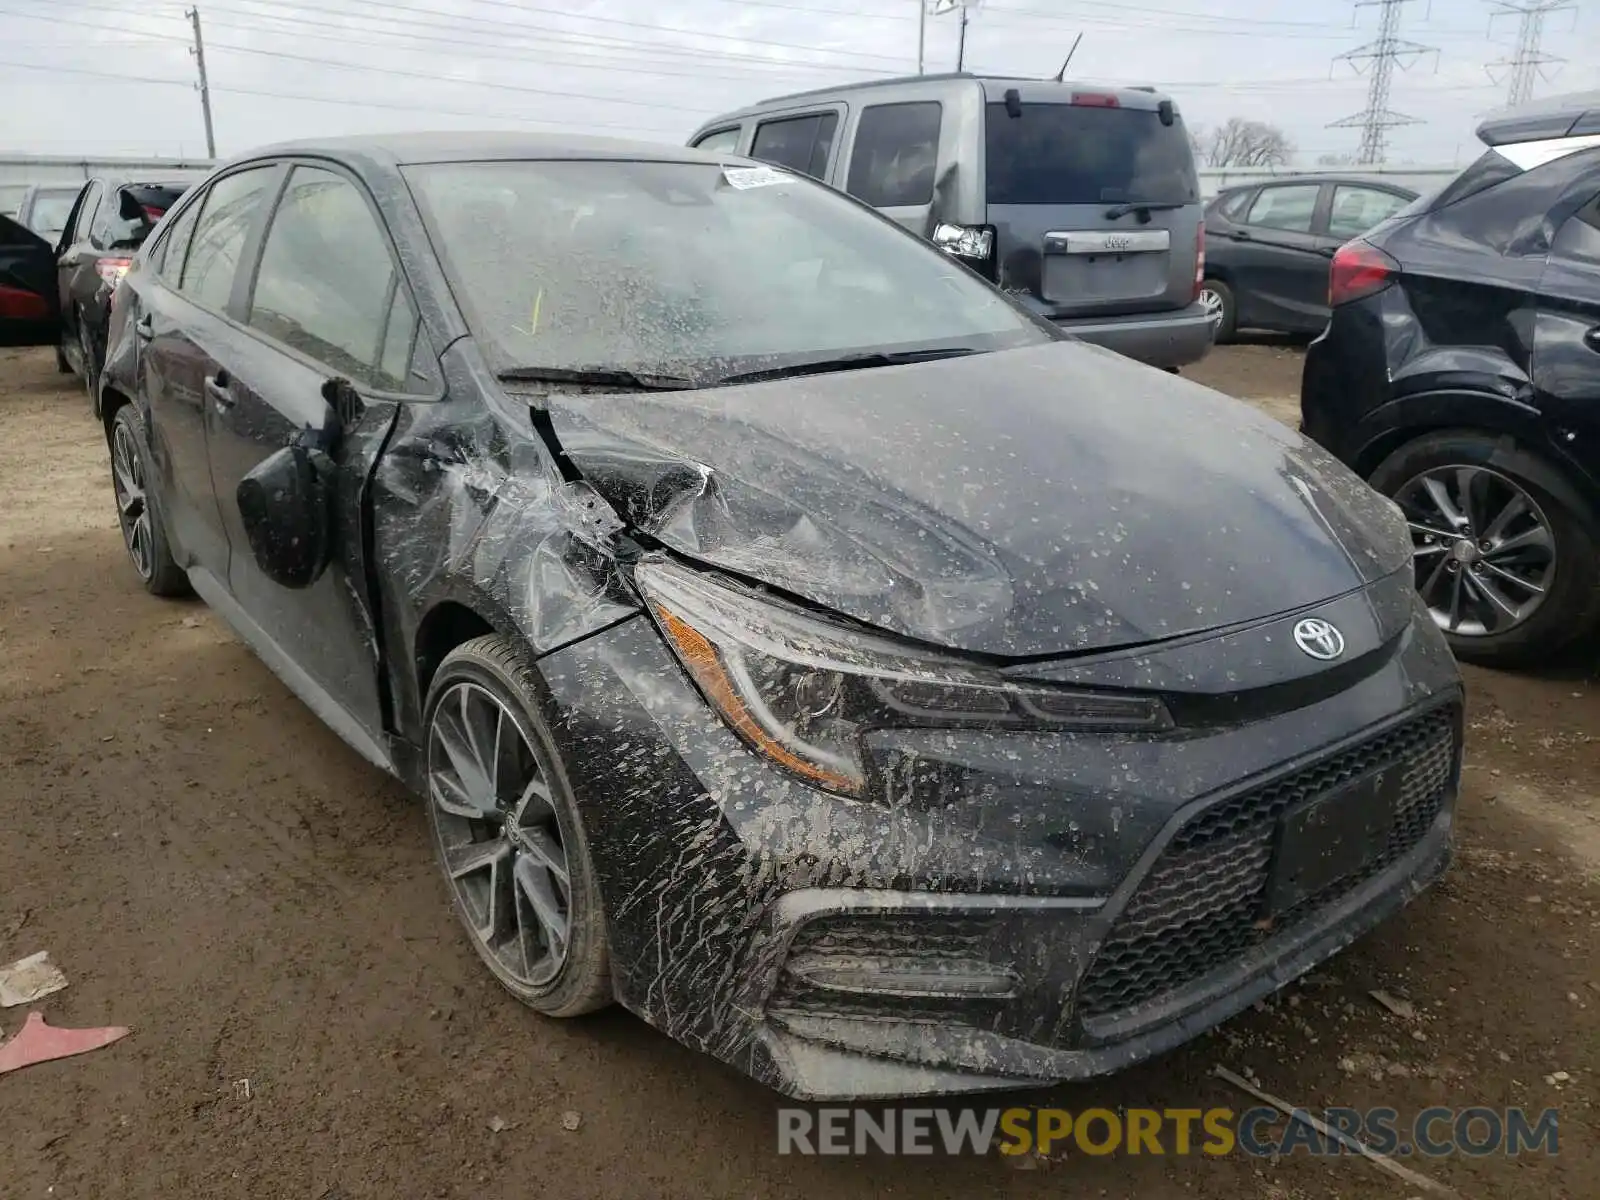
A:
(1508, 570)
(141, 528)
(1217, 299)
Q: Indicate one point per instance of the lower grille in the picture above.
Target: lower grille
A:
(1199, 908)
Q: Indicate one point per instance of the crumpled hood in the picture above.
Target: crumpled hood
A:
(1049, 500)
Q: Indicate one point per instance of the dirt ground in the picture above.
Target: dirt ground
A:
(214, 869)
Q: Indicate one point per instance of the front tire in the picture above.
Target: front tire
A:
(142, 533)
(507, 833)
(1508, 568)
(1217, 297)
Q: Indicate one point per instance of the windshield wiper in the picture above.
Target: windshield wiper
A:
(1143, 207)
(598, 377)
(846, 362)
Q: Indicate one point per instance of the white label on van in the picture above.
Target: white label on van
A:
(753, 177)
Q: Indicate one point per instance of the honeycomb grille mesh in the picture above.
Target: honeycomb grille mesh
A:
(1199, 908)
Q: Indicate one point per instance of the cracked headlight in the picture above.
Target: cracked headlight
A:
(801, 690)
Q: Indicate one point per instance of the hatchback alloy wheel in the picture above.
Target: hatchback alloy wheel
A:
(1483, 547)
(133, 506)
(500, 837)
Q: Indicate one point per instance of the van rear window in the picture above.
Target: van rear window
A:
(1070, 154)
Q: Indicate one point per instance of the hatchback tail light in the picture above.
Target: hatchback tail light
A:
(153, 214)
(1359, 269)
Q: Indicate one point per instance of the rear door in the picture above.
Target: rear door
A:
(185, 324)
(329, 303)
(1566, 352)
(1279, 270)
(1058, 177)
(70, 266)
(27, 288)
(804, 142)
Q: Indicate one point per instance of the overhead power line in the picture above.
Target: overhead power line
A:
(1379, 58)
(1527, 62)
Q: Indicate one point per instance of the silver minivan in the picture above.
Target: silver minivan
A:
(1081, 201)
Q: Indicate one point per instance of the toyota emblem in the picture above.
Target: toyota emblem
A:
(1318, 638)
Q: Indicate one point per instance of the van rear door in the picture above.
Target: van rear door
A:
(1093, 198)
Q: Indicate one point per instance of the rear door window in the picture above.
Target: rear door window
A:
(174, 247)
(1357, 209)
(799, 143)
(226, 217)
(895, 155)
(85, 217)
(1077, 154)
(1289, 208)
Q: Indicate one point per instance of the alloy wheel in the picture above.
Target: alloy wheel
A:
(499, 834)
(1211, 303)
(1483, 549)
(133, 507)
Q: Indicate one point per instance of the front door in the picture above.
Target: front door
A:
(28, 313)
(331, 331)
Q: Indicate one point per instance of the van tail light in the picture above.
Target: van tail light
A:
(111, 270)
(1359, 269)
(1199, 261)
(973, 244)
(1096, 100)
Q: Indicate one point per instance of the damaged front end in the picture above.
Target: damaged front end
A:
(860, 858)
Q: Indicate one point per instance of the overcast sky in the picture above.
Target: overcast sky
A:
(116, 76)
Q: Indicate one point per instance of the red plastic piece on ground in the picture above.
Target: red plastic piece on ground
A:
(38, 1042)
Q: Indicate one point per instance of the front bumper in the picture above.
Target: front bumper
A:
(1054, 909)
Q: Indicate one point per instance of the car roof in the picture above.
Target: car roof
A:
(993, 86)
(1327, 177)
(402, 149)
(1574, 114)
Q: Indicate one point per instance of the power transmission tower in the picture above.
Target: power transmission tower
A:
(1523, 65)
(199, 52)
(1379, 58)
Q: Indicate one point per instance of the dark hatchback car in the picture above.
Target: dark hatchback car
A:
(1268, 247)
(108, 223)
(791, 638)
(1460, 373)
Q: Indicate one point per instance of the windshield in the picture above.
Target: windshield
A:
(1081, 154)
(690, 269)
(50, 210)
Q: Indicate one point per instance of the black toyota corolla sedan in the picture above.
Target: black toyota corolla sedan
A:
(793, 640)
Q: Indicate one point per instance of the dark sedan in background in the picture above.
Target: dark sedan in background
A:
(1460, 373)
(108, 223)
(1268, 246)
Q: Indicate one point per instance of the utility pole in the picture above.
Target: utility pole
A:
(1380, 57)
(922, 34)
(199, 52)
(961, 41)
(1523, 66)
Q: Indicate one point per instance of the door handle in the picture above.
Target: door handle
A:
(143, 329)
(1592, 339)
(217, 389)
(1241, 235)
(1327, 251)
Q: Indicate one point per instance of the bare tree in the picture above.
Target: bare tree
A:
(1239, 142)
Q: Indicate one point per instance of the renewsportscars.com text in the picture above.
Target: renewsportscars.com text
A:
(1263, 1132)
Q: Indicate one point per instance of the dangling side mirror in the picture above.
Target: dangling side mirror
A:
(286, 506)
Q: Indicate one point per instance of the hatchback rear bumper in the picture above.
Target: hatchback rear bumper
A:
(1161, 339)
